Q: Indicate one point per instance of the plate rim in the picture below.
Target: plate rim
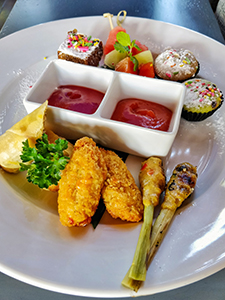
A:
(35, 282)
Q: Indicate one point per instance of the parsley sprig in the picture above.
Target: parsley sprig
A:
(124, 44)
(44, 162)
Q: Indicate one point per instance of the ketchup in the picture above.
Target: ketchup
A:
(143, 113)
(76, 98)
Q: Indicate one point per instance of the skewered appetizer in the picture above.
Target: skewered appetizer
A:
(152, 182)
(111, 40)
(130, 57)
(127, 56)
(180, 186)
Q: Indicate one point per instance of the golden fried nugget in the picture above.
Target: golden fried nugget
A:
(81, 183)
(121, 195)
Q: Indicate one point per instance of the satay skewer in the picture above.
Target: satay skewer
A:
(180, 186)
(152, 182)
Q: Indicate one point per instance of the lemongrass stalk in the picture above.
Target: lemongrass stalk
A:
(152, 182)
(179, 188)
(131, 283)
(138, 268)
(158, 232)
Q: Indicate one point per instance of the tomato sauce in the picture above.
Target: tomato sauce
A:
(76, 98)
(143, 113)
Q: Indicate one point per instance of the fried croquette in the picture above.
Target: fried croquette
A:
(121, 195)
(81, 184)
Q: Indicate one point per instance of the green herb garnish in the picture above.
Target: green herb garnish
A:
(44, 162)
(124, 44)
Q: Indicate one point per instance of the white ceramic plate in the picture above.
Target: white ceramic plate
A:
(37, 249)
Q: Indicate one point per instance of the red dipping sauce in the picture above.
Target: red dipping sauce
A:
(76, 98)
(143, 113)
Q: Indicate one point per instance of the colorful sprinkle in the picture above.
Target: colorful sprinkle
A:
(205, 93)
(80, 42)
(188, 60)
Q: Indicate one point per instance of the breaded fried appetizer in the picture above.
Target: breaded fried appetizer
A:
(121, 195)
(81, 183)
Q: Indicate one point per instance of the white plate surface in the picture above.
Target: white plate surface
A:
(37, 249)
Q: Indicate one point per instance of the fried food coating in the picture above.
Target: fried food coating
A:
(81, 183)
(120, 193)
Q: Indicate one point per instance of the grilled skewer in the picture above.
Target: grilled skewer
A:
(152, 181)
(180, 186)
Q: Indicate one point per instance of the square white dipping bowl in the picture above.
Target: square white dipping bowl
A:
(116, 86)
